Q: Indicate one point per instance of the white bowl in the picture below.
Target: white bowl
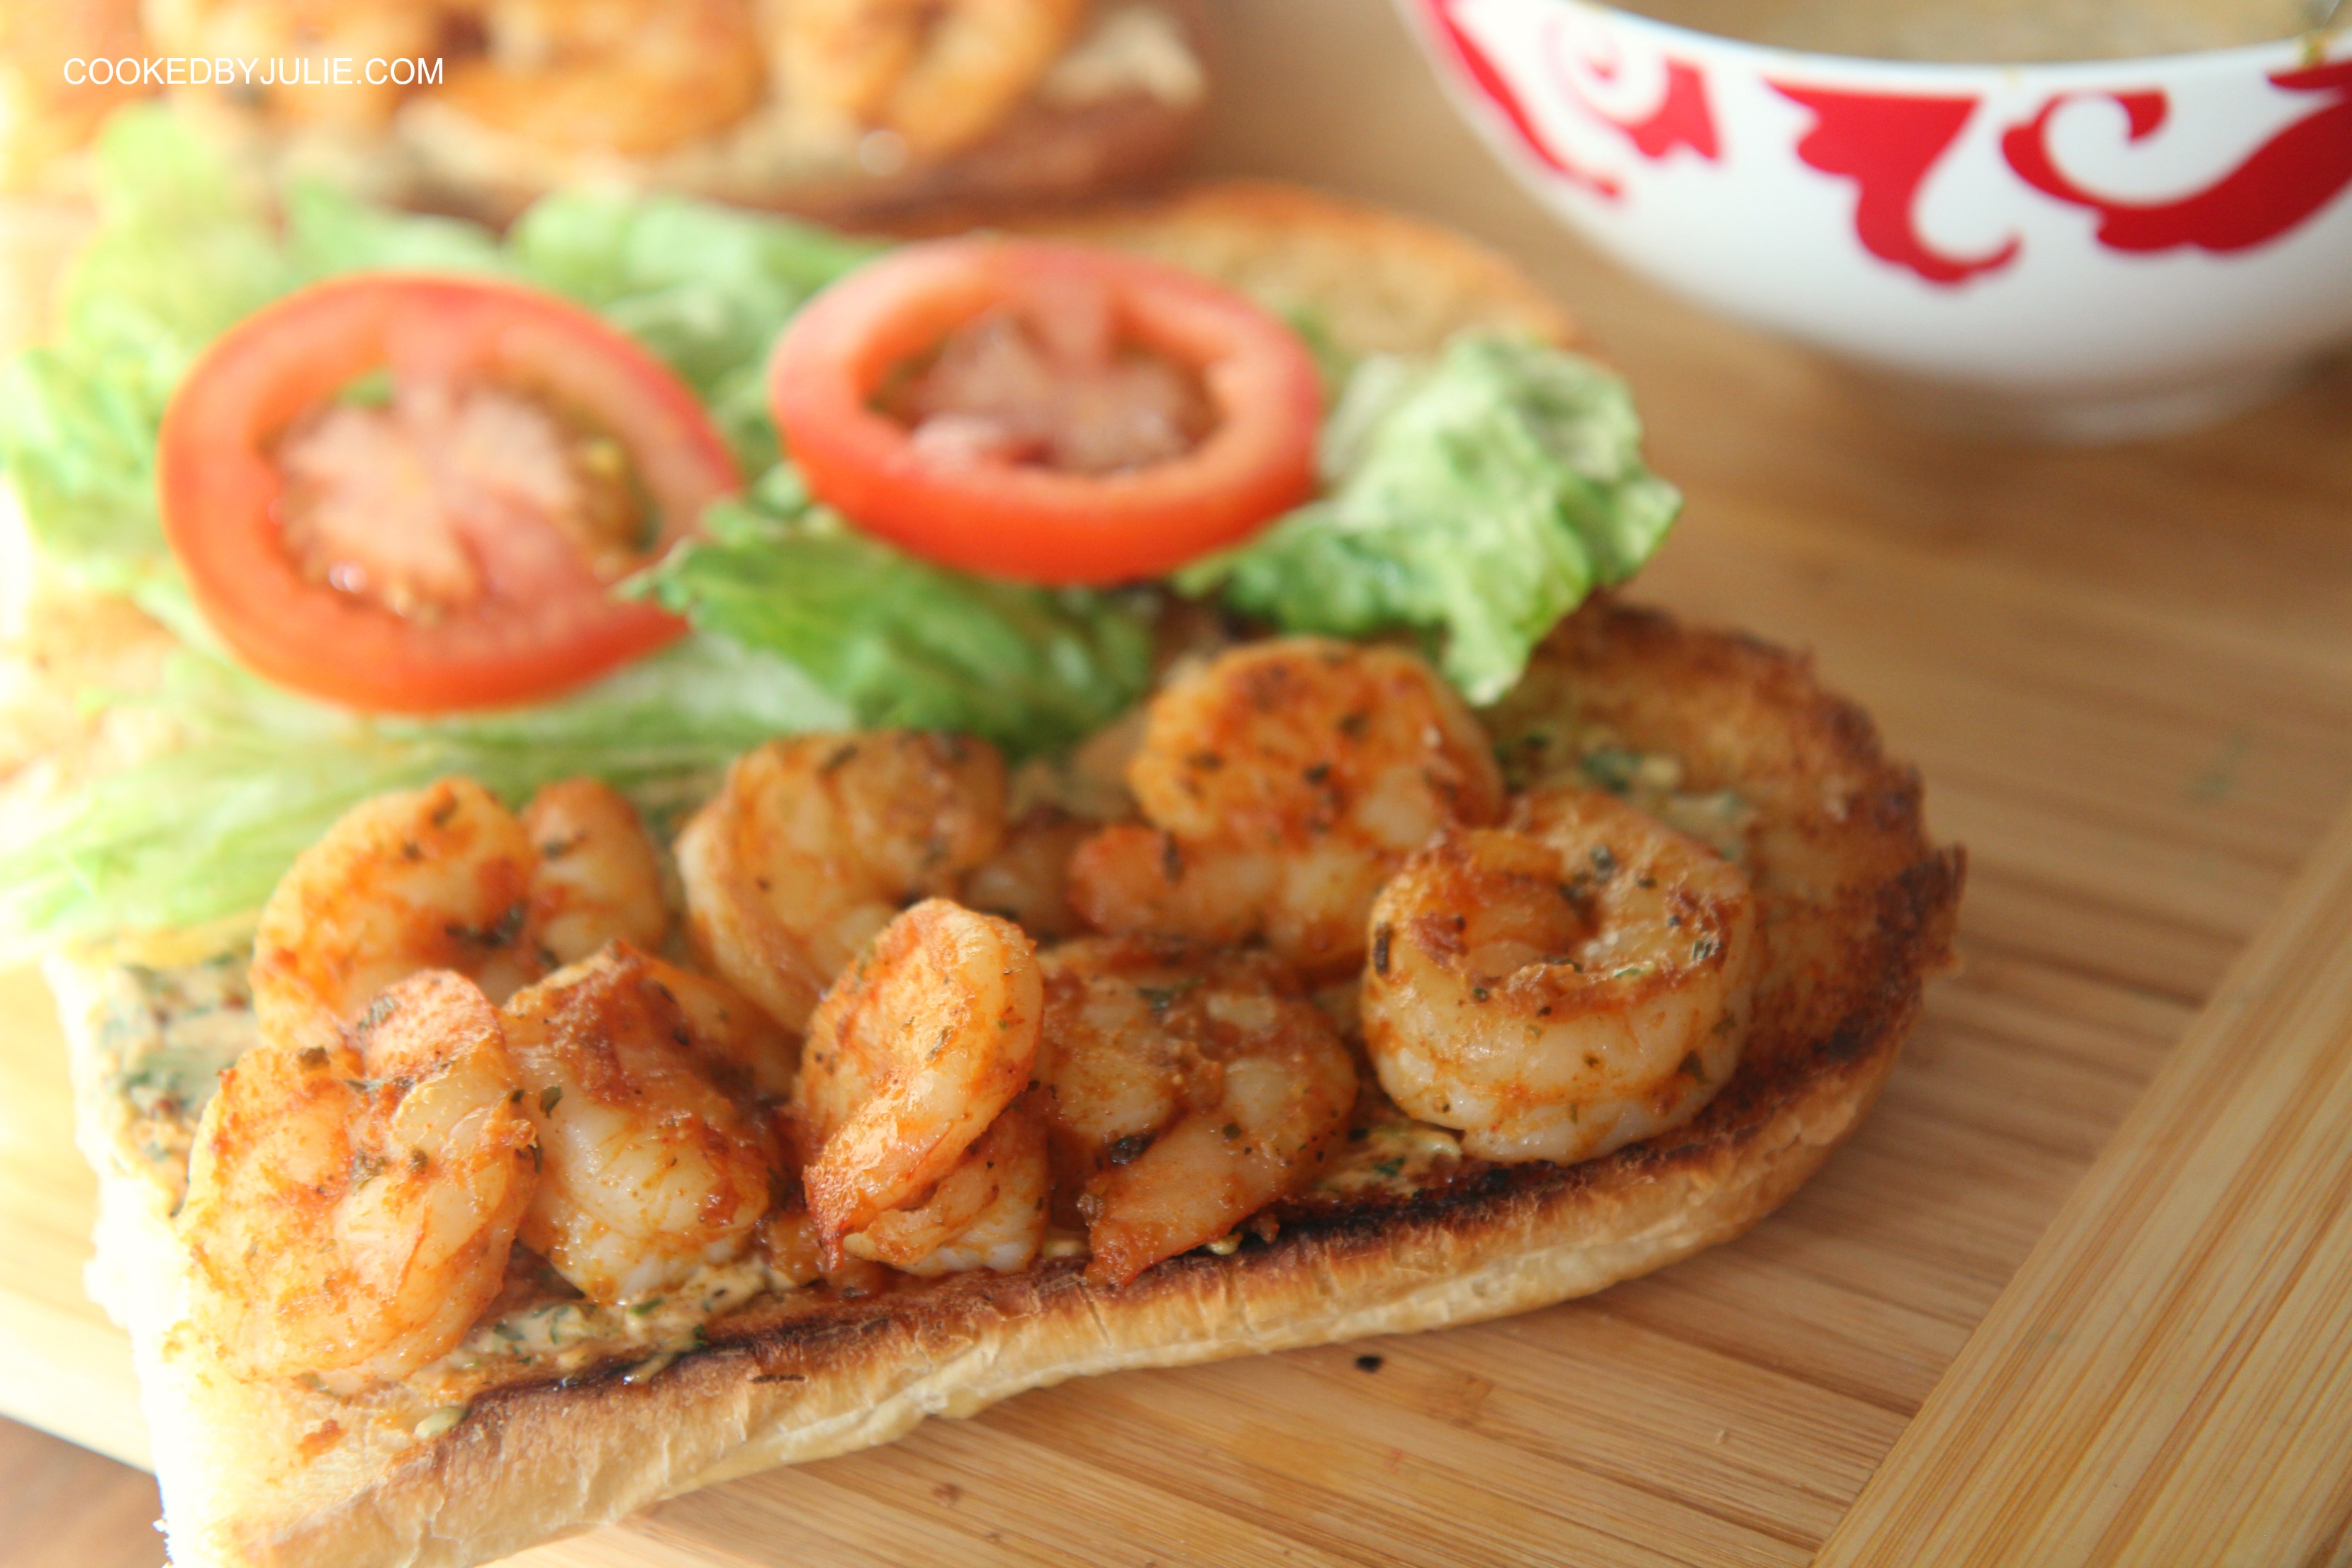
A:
(2093, 250)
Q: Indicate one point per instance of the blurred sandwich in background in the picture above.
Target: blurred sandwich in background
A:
(856, 111)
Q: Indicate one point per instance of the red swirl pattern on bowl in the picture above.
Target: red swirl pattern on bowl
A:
(2098, 231)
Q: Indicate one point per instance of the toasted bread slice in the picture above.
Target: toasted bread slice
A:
(1724, 736)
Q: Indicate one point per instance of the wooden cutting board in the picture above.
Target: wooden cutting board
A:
(2128, 678)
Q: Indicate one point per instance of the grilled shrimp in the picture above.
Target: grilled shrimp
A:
(594, 876)
(988, 1212)
(631, 77)
(651, 1169)
(1564, 985)
(1284, 783)
(445, 878)
(940, 75)
(910, 1059)
(815, 842)
(1188, 1090)
(353, 1195)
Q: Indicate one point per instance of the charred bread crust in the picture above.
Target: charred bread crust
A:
(1858, 912)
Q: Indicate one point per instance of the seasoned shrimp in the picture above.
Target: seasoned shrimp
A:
(1284, 783)
(432, 878)
(352, 1195)
(989, 1212)
(594, 876)
(631, 77)
(908, 1059)
(940, 75)
(1189, 1090)
(1562, 986)
(1027, 880)
(445, 878)
(814, 843)
(651, 1169)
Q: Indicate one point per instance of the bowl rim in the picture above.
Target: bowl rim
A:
(2305, 50)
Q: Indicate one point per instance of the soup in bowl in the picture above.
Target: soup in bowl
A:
(2098, 246)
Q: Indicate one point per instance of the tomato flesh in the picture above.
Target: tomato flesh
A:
(965, 505)
(418, 558)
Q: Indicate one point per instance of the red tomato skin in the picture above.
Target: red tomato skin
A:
(217, 489)
(1036, 524)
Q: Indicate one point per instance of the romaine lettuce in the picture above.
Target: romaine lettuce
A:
(1476, 501)
(899, 641)
(707, 287)
(204, 831)
(183, 250)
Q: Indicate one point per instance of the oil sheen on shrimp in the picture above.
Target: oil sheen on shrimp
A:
(1563, 986)
(1188, 1090)
(1284, 783)
(814, 843)
(651, 1168)
(353, 1195)
(445, 878)
(910, 1059)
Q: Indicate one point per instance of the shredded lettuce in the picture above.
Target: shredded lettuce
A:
(1475, 500)
(203, 831)
(899, 641)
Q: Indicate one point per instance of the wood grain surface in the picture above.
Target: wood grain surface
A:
(2128, 676)
(2166, 1380)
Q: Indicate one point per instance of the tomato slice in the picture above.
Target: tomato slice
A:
(536, 614)
(1022, 520)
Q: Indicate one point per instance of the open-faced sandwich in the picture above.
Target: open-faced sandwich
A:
(1141, 840)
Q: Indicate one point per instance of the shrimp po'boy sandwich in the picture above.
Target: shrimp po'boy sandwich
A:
(670, 841)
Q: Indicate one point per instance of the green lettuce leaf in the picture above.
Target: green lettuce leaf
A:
(182, 251)
(1475, 500)
(707, 287)
(901, 642)
(204, 831)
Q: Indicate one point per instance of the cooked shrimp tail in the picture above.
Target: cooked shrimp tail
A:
(908, 1059)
